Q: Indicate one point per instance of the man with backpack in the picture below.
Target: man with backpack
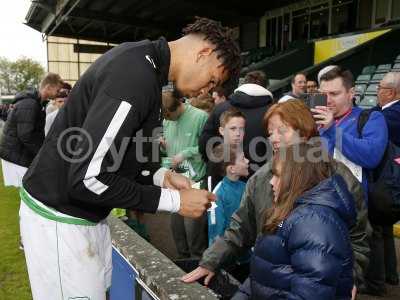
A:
(359, 151)
(360, 148)
(383, 205)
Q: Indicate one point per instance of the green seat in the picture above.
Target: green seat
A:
(396, 67)
(360, 89)
(368, 102)
(383, 68)
(377, 78)
(372, 89)
(364, 78)
(368, 69)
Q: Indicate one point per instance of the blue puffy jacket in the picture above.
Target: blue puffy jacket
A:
(310, 256)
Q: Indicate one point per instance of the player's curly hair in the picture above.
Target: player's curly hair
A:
(225, 46)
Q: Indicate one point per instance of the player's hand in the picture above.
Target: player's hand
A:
(194, 202)
(176, 181)
(177, 160)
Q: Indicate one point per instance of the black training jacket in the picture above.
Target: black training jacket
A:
(117, 98)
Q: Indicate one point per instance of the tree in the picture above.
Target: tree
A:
(5, 76)
(20, 75)
(27, 73)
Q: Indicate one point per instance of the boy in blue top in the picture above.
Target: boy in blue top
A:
(228, 165)
(229, 191)
(234, 165)
(232, 127)
(339, 126)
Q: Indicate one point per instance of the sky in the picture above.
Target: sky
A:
(17, 39)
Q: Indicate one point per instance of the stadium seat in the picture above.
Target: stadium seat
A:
(383, 68)
(256, 55)
(357, 99)
(368, 70)
(377, 78)
(397, 59)
(396, 67)
(368, 102)
(364, 78)
(372, 89)
(360, 89)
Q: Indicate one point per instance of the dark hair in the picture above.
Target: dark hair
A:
(220, 90)
(294, 77)
(338, 72)
(257, 77)
(64, 91)
(312, 80)
(225, 155)
(225, 45)
(299, 172)
(229, 114)
(66, 86)
(170, 102)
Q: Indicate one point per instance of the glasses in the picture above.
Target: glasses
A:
(379, 87)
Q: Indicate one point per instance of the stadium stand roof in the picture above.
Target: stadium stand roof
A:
(126, 20)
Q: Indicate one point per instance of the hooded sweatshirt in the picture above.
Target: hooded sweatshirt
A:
(253, 101)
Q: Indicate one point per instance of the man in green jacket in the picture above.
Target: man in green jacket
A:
(246, 224)
(182, 127)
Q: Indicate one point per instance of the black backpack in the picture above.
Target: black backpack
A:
(383, 182)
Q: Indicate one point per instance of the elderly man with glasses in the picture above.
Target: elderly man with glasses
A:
(383, 261)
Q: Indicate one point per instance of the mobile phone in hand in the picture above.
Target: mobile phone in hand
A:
(317, 100)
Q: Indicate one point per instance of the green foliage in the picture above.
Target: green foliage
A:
(5, 76)
(27, 73)
(19, 75)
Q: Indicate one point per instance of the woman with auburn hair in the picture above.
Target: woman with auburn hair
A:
(305, 250)
(291, 115)
(286, 123)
